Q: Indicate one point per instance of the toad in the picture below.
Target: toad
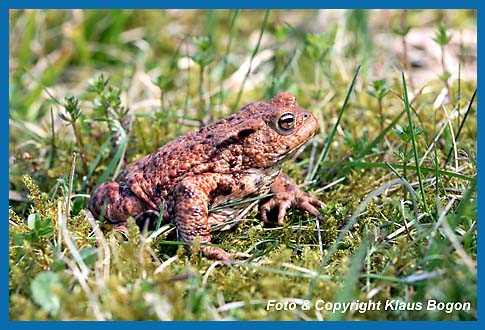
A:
(210, 179)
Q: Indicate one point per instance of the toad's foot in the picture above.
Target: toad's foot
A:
(213, 252)
(288, 195)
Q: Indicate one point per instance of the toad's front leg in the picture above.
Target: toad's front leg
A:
(191, 198)
(288, 195)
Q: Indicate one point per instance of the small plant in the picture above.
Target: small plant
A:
(204, 55)
(360, 43)
(317, 47)
(97, 84)
(402, 31)
(107, 105)
(107, 102)
(281, 32)
(278, 84)
(282, 60)
(442, 38)
(379, 91)
(163, 82)
(71, 105)
(162, 117)
(359, 144)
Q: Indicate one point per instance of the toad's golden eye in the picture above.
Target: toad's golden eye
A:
(286, 122)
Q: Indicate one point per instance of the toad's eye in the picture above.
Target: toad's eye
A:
(286, 122)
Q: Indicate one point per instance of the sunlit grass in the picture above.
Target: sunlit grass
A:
(394, 160)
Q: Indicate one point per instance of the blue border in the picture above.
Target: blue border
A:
(196, 325)
(480, 150)
(249, 4)
(4, 183)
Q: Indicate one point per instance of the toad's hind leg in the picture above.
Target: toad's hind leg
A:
(191, 214)
(115, 202)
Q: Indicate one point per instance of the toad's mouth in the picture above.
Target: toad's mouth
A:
(293, 151)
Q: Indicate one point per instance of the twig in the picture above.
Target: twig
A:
(319, 235)
(69, 191)
(453, 139)
(208, 272)
(405, 221)
(79, 268)
(104, 254)
(440, 220)
(70, 244)
(82, 281)
(165, 265)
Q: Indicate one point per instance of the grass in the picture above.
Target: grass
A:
(394, 160)
(324, 153)
(412, 134)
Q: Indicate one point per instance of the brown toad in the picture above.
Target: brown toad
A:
(200, 177)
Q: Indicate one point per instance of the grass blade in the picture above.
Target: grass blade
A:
(413, 140)
(426, 170)
(324, 153)
(379, 138)
(114, 164)
(346, 293)
(234, 18)
(255, 51)
(95, 163)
